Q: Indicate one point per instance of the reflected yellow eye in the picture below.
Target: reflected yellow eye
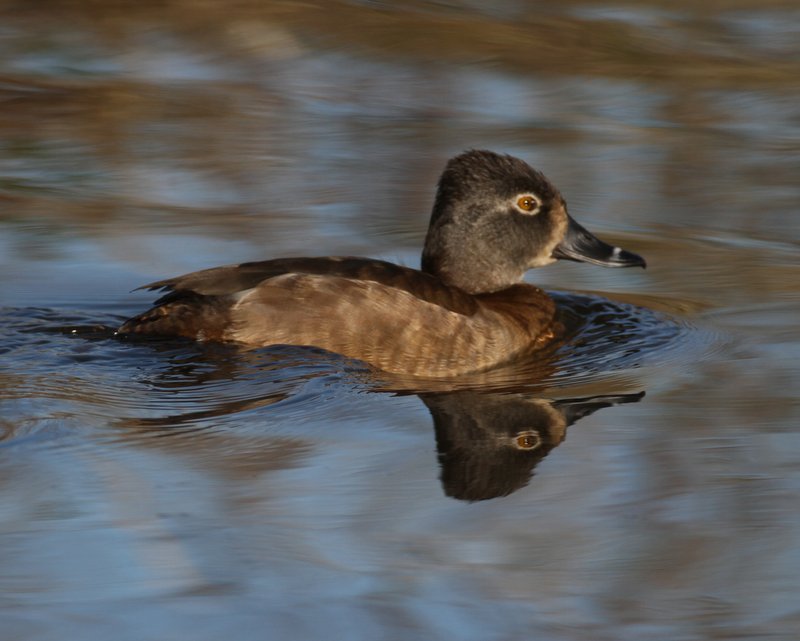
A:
(527, 203)
(527, 441)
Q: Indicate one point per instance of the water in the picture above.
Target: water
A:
(638, 482)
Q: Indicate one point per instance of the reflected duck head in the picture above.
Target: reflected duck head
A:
(495, 217)
(490, 443)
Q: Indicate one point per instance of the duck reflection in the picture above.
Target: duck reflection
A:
(489, 444)
(489, 436)
(492, 428)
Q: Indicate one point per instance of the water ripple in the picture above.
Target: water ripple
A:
(78, 376)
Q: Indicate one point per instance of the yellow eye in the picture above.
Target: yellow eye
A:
(527, 203)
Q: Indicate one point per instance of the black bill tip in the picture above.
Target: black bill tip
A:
(623, 258)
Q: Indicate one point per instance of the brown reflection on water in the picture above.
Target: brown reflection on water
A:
(489, 444)
(231, 116)
(489, 439)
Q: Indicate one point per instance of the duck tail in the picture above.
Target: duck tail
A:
(193, 316)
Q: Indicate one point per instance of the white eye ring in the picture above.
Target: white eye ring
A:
(527, 204)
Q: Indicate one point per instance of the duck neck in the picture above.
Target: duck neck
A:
(467, 269)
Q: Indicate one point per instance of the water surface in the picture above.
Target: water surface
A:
(638, 482)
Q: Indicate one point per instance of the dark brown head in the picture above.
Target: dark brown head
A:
(495, 217)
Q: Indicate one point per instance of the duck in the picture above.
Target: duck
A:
(466, 309)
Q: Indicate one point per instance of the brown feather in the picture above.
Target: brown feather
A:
(389, 327)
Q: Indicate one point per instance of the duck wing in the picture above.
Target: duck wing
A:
(200, 304)
(232, 280)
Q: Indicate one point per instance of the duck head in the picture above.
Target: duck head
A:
(495, 217)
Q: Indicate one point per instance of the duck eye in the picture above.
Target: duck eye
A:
(527, 204)
(527, 440)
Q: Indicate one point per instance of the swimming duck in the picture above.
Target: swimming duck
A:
(467, 309)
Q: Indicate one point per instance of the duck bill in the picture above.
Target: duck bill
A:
(583, 246)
